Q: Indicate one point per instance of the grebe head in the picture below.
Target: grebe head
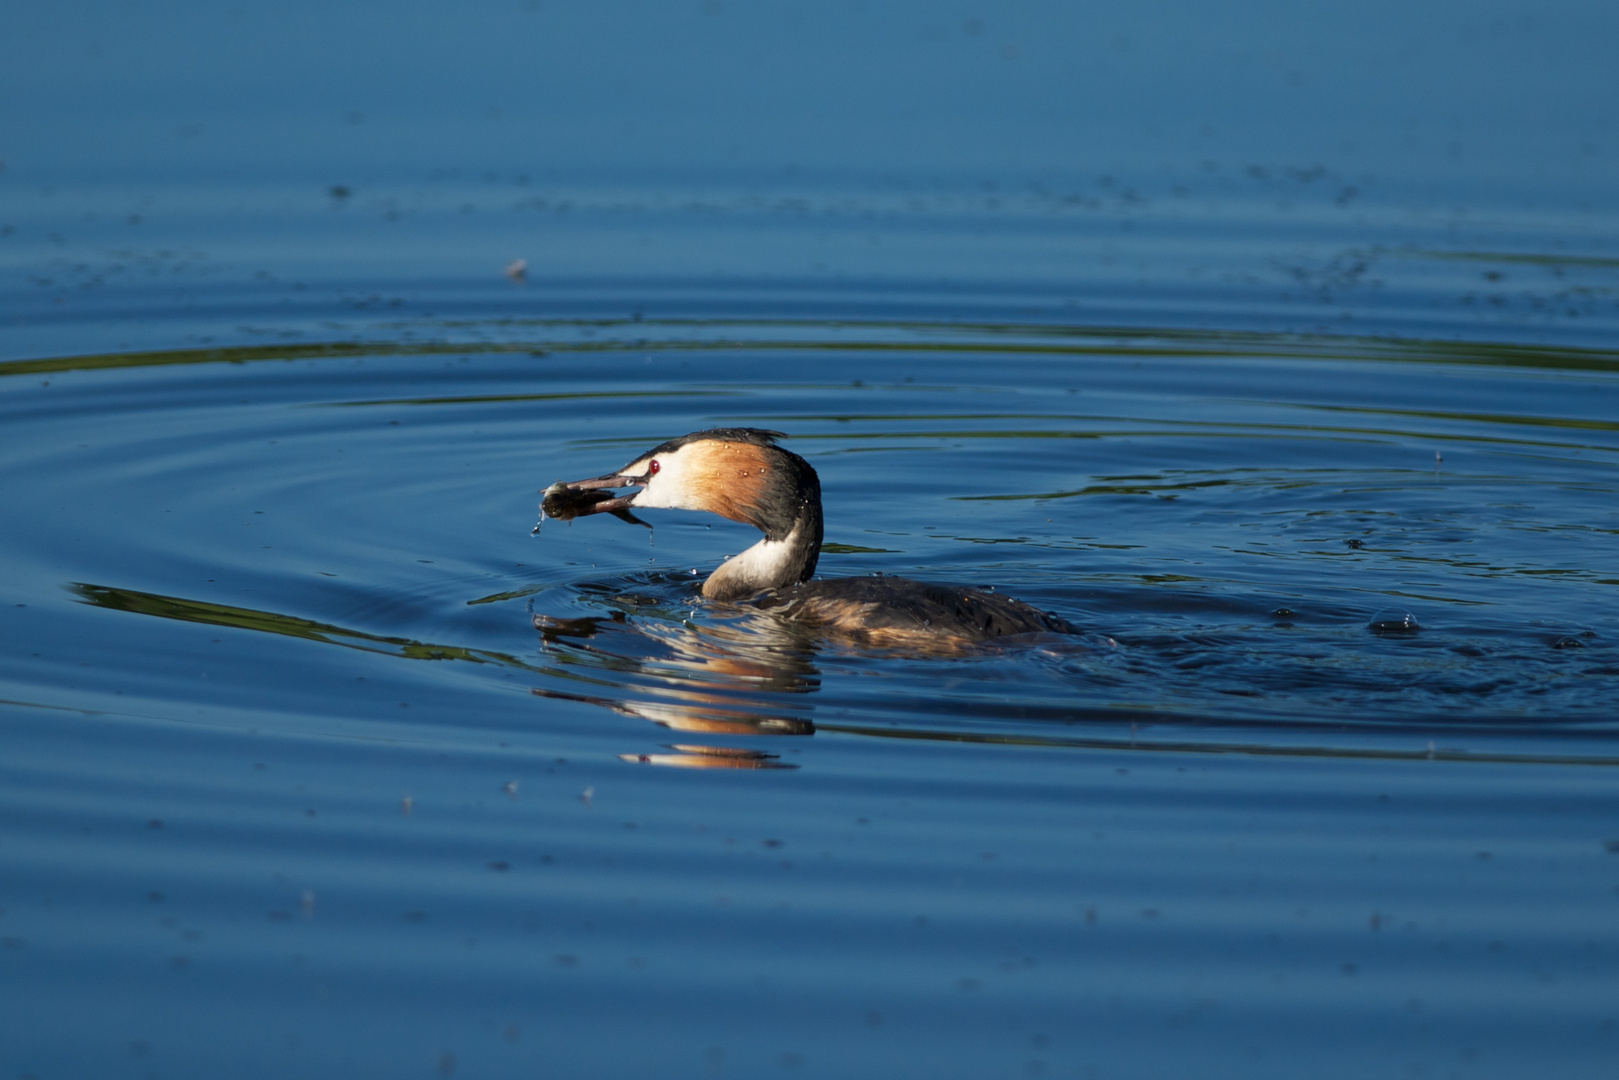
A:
(737, 473)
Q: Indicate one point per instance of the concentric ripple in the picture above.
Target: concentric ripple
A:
(1236, 520)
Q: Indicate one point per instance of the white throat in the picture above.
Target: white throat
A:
(766, 565)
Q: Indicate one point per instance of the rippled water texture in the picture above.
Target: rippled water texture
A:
(1325, 535)
(287, 602)
(1278, 353)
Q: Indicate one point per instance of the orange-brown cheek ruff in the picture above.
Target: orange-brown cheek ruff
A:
(728, 479)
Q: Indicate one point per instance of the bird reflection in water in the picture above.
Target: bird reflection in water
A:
(691, 756)
(722, 679)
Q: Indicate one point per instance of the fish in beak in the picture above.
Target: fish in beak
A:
(580, 498)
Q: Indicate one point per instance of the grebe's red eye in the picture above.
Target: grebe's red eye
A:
(652, 468)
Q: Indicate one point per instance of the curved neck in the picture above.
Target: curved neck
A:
(791, 546)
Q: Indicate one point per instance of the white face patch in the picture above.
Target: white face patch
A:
(672, 487)
(723, 478)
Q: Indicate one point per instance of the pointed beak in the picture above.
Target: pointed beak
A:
(580, 498)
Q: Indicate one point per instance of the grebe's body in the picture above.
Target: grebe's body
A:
(741, 474)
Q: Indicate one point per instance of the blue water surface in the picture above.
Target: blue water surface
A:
(1275, 347)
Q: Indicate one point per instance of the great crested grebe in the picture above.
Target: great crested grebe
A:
(741, 474)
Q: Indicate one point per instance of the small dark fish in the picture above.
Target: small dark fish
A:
(565, 503)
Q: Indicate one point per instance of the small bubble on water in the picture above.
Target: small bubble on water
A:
(1393, 622)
